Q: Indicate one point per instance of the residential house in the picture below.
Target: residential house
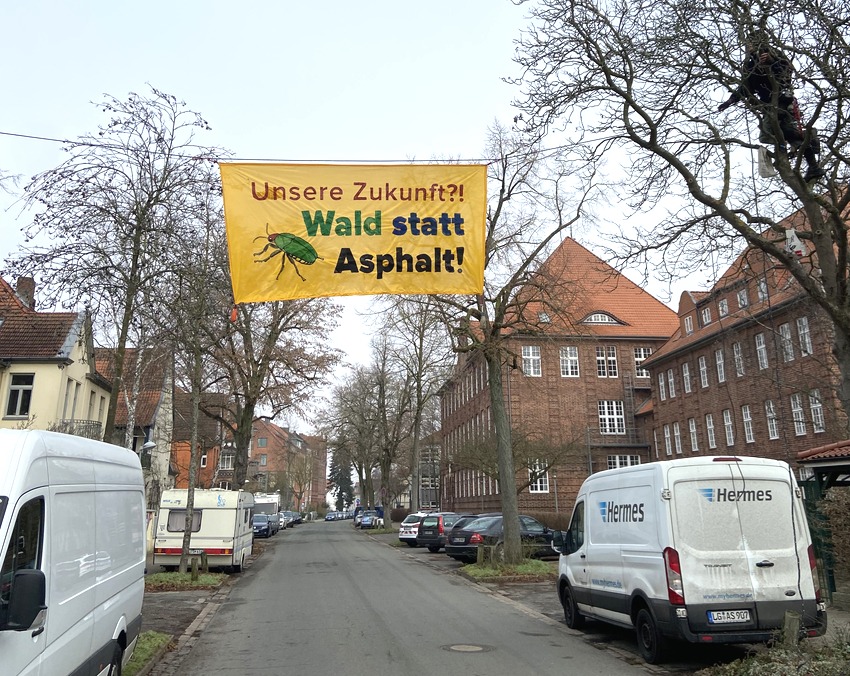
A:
(316, 494)
(572, 390)
(209, 438)
(48, 375)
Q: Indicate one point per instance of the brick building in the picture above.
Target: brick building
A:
(572, 390)
(749, 370)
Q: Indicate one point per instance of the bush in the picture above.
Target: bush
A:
(553, 521)
(836, 508)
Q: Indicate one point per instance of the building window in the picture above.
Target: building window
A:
(611, 417)
(203, 460)
(785, 341)
(569, 362)
(264, 459)
(671, 383)
(743, 300)
(709, 430)
(677, 438)
(703, 371)
(667, 446)
(600, 318)
(618, 461)
(706, 316)
(816, 408)
(686, 378)
(538, 476)
(543, 317)
(798, 415)
(721, 366)
(262, 442)
(655, 440)
(226, 461)
(729, 427)
(772, 424)
(20, 395)
(749, 437)
(689, 325)
(762, 289)
(662, 387)
(531, 361)
(761, 351)
(692, 428)
(804, 336)
(606, 362)
(722, 307)
(738, 355)
(641, 354)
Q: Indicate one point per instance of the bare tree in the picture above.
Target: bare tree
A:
(109, 217)
(635, 87)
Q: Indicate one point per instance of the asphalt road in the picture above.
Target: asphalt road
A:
(326, 599)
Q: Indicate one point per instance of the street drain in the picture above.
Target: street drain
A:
(467, 648)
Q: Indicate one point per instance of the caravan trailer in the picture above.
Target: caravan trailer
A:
(221, 527)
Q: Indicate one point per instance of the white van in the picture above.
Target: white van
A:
(706, 550)
(221, 527)
(72, 551)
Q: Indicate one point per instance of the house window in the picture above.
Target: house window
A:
(543, 317)
(226, 461)
(600, 318)
(721, 367)
(703, 371)
(686, 378)
(762, 289)
(611, 417)
(655, 441)
(203, 460)
(641, 353)
(264, 459)
(722, 307)
(738, 355)
(785, 341)
(748, 424)
(531, 360)
(706, 316)
(729, 427)
(709, 430)
(798, 415)
(689, 325)
(606, 362)
(667, 446)
(262, 442)
(761, 351)
(804, 336)
(772, 424)
(617, 461)
(692, 428)
(677, 438)
(671, 383)
(20, 395)
(816, 408)
(743, 300)
(538, 476)
(569, 362)
(662, 387)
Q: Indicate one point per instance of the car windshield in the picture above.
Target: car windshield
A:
(370, 513)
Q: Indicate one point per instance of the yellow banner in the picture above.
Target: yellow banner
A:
(305, 231)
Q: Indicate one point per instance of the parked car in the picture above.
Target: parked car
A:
(462, 544)
(262, 526)
(284, 523)
(331, 516)
(371, 519)
(433, 528)
(274, 522)
(410, 527)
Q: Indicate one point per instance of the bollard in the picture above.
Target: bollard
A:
(195, 573)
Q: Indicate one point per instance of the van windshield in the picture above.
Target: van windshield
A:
(3, 502)
(734, 515)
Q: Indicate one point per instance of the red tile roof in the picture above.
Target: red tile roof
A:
(150, 389)
(840, 450)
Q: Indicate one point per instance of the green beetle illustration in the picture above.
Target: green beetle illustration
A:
(293, 248)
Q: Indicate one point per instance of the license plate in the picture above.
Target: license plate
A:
(457, 541)
(728, 616)
(196, 551)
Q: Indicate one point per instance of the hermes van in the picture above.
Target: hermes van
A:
(72, 554)
(221, 527)
(705, 550)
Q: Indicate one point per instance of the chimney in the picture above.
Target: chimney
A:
(26, 291)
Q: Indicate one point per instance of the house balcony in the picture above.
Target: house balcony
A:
(90, 429)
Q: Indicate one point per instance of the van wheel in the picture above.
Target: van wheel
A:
(572, 616)
(115, 664)
(238, 567)
(651, 644)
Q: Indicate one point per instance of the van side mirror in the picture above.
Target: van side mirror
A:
(559, 541)
(26, 601)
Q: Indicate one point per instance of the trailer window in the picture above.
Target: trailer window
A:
(177, 520)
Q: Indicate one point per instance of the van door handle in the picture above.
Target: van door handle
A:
(583, 556)
(765, 564)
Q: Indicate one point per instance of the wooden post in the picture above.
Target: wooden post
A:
(195, 573)
(205, 566)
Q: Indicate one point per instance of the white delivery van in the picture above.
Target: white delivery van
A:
(221, 527)
(72, 551)
(706, 550)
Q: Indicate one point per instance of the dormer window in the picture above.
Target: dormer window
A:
(706, 316)
(689, 325)
(600, 318)
(722, 307)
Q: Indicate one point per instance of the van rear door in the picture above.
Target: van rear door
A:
(742, 543)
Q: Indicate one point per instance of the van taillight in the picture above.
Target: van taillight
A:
(675, 591)
(813, 564)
